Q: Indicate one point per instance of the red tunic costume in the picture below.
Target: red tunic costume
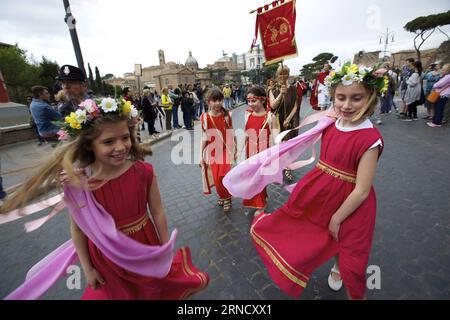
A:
(295, 240)
(219, 152)
(125, 198)
(319, 80)
(257, 129)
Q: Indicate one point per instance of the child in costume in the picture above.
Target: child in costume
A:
(218, 147)
(125, 253)
(331, 211)
(259, 126)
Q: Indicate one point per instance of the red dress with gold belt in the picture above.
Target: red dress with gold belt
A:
(219, 148)
(257, 130)
(125, 198)
(295, 240)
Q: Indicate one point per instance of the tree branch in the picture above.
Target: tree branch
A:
(422, 34)
(443, 33)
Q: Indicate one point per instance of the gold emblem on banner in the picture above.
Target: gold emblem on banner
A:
(277, 31)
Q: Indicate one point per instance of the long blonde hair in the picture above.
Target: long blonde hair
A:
(67, 158)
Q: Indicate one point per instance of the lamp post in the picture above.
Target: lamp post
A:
(384, 37)
(138, 74)
(70, 21)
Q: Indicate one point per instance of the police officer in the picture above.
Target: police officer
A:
(74, 84)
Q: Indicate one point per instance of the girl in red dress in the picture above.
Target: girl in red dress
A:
(126, 187)
(331, 211)
(218, 147)
(258, 130)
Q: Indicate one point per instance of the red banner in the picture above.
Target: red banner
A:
(277, 28)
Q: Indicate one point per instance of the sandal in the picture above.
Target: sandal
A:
(288, 175)
(220, 202)
(226, 205)
(334, 285)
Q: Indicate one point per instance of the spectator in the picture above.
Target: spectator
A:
(187, 106)
(407, 72)
(175, 96)
(227, 97)
(431, 77)
(167, 105)
(201, 104)
(128, 94)
(443, 87)
(32, 123)
(149, 111)
(413, 93)
(61, 100)
(43, 114)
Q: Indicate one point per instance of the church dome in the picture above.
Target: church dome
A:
(191, 63)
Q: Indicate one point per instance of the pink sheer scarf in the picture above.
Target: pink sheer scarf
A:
(251, 176)
(98, 225)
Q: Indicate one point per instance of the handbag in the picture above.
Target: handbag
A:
(433, 97)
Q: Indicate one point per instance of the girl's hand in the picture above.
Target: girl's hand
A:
(286, 123)
(94, 279)
(202, 163)
(334, 227)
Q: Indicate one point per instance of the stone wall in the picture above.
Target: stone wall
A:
(10, 135)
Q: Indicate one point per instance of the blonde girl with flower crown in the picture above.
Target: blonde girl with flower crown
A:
(125, 252)
(331, 211)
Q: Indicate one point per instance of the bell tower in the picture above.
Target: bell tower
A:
(162, 60)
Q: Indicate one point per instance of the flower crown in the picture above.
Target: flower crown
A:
(89, 110)
(373, 77)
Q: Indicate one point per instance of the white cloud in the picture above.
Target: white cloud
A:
(114, 35)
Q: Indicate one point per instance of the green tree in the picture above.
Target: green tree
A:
(18, 73)
(109, 89)
(48, 70)
(98, 82)
(311, 70)
(108, 76)
(91, 82)
(425, 26)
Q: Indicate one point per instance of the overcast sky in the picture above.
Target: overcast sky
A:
(114, 35)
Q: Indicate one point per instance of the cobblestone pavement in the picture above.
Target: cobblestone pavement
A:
(411, 242)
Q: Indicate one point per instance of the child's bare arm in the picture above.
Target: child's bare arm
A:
(157, 211)
(80, 242)
(364, 180)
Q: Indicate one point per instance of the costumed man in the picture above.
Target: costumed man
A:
(73, 82)
(285, 105)
(320, 97)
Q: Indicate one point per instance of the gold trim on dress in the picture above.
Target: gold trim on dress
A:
(271, 252)
(187, 271)
(344, 176)
(135, 226)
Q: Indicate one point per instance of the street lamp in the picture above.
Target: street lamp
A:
(70, 20)
(384, 37)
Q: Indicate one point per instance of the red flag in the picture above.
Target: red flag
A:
(277, 28)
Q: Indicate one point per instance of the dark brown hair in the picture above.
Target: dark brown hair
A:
(37, 91)
(214, 94)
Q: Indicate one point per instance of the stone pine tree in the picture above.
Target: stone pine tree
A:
(311, 70)
(91, 82)
(425, 26)
(98, 81)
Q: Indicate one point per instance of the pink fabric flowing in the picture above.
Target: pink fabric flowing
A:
(251, 176)
(98, 225)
